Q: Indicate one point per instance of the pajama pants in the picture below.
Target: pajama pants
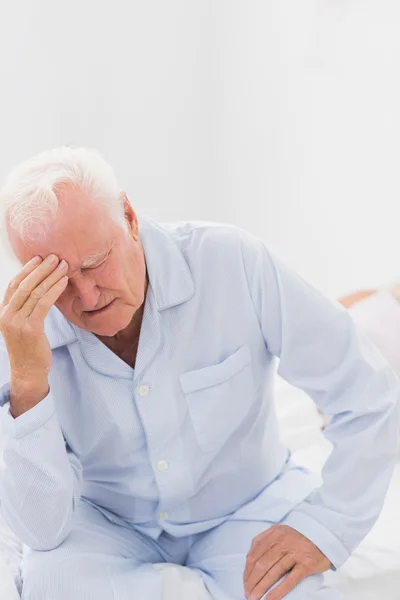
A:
(101, 560)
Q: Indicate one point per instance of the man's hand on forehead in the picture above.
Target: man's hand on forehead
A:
(27, 301)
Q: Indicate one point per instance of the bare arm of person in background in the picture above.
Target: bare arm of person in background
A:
(351, 299)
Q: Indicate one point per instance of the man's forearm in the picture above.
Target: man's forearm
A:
(39, 482)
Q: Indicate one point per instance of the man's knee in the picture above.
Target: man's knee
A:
(229, 583)
(313, 588)
(90, 576)
(56, 576)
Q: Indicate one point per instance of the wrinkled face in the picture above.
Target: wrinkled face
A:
(106, 265)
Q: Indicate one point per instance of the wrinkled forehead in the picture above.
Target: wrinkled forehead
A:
(81, 240)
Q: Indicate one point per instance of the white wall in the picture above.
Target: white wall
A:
(279, 116)
(311, 134)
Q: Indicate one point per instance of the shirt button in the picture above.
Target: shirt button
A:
(163, 516)
(162, 465)
(144, 389)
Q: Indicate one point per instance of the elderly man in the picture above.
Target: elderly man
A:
(137, 376)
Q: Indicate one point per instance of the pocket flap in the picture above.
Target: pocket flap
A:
(209, 376)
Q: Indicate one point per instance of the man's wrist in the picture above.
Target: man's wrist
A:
(24, 396)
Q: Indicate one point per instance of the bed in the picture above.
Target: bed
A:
(372, 572)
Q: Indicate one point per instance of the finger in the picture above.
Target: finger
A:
(42, 289)
(263, 565)
(25, 271)
(259, 547)
(288, 584)
(254, 557)
(29, 283)
(46, 302)
(279, 570)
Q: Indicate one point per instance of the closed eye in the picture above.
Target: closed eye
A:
(96, 266)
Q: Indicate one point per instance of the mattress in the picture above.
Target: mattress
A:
(372, 572)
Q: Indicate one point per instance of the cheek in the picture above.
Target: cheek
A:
(64, 303)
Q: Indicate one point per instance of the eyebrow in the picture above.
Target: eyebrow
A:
(94, 258)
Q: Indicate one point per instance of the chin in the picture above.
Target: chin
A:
(106, 329)
(103, 331)
(109, 327)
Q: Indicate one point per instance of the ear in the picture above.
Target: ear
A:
(130, 217)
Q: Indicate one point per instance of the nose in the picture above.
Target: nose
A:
(87, 292)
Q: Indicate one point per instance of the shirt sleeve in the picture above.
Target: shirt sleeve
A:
(40, 477)
(323, 352)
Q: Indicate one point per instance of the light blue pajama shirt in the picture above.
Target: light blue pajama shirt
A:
(189, 440)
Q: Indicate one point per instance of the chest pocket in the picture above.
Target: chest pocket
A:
(219, 397)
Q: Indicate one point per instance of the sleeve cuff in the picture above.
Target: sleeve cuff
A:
(4, 394)
(324, 539)
(30, 420)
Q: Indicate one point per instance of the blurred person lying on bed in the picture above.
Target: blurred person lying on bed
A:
(377, 313)
(137, 376)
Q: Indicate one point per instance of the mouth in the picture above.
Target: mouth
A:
(93, 313)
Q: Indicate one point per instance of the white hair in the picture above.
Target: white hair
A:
(28, 198)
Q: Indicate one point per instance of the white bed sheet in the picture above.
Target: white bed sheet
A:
(10, 557)
(372, 572)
